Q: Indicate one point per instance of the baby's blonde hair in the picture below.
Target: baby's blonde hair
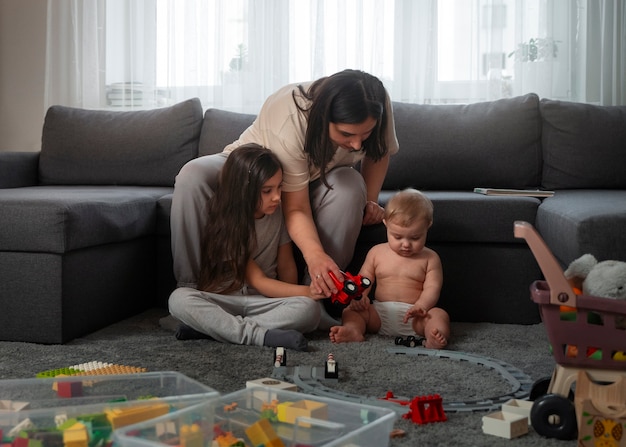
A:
(407, 206)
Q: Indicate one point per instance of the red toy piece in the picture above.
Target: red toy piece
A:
(425, 409)
(351, 289)
(70, 389)
(392, 398)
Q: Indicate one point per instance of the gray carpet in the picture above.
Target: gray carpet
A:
(365, 368)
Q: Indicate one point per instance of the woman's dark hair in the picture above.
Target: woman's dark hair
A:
(347, 97)
(230, 237)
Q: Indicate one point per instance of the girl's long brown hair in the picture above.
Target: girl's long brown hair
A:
(229, 236)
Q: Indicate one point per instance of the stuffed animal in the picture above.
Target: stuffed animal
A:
(603, 279)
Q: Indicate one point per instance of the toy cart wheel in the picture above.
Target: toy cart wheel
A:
(350, 287)
(540, 388)
(554, 416)
(365, 282)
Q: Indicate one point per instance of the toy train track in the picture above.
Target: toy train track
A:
(311, 380)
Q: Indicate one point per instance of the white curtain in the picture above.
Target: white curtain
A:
(75, 53)
(232, 54)
(600, 52)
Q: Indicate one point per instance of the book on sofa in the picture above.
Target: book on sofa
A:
(514, 192)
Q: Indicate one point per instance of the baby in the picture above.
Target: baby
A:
(408, 278)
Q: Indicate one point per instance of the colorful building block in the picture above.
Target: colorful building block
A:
(69, 389)
(94, 368)
(289, 411)
(425, 409)
(25, 424)
(10, 406)
(519, 407)
(120, 417)
(505, 425)
(269, 382)
(76, 436)
(191, 436)
(261, 433)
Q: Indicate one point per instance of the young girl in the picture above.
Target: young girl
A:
(247, 288)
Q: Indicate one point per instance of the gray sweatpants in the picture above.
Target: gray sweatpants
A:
(242, 319)
(338, 213)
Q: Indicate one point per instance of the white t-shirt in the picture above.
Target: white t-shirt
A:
(281, 127)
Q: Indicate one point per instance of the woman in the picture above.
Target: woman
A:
(318, 131)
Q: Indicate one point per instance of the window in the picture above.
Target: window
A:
(232, 54)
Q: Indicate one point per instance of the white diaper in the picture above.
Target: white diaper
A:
(391, 314)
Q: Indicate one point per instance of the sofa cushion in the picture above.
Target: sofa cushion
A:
(468, 217)
(577, 222)
(100, 147)
(18, 169)
(164, 211)
(584, 146)
(220, 128)
(57, 219)
(458, 147)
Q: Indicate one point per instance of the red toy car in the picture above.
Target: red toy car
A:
(351, 289)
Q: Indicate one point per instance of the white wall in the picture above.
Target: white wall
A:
(22, 72)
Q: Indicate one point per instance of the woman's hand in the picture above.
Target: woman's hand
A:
(373, 214)
(319, 266)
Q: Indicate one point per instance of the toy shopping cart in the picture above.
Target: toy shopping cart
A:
(586, 333)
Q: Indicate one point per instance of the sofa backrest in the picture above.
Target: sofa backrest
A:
(584, 146)
(100, 147)
(459, 147)
(220, 128)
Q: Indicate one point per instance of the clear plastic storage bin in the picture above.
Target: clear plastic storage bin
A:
(265, 416)
(83, 411)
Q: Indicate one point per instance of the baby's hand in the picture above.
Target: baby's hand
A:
(414, 311)
(359, 305)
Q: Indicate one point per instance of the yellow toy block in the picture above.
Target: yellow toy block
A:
(76, 436)
(262, 433)
(191, 436)
(120, 417)
(290, 411)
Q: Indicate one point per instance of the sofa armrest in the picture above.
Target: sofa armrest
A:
(19, 169)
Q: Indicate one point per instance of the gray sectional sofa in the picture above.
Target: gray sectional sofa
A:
(84, 223)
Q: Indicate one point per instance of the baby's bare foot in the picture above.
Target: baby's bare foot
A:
(435, 340)
(345, 334)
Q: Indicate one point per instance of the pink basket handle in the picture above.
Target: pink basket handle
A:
(561, 292)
